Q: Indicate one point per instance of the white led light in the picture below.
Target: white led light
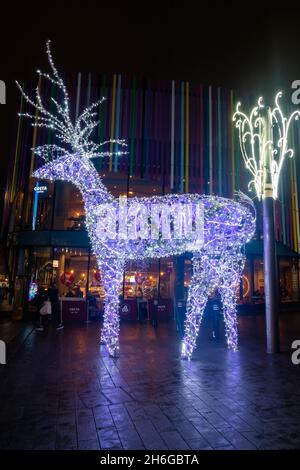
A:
(262, 154)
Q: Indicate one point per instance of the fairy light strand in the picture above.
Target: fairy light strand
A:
(255, 148)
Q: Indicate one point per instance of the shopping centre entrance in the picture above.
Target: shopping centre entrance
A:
(154, 290)
(149, 291)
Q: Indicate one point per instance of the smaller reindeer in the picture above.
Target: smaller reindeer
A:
(223, 225)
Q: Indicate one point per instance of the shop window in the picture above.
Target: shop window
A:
(259, 287)
(95, 280)
(149, 281)
(69, 208)
(141, 281)
(39, 206)
(41, 266)
(244, 290)
(166, 278)
(289, 279)
(295, 280)
(70, 270)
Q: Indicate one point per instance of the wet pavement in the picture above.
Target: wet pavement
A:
(60, 390)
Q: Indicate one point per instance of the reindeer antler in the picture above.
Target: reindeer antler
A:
(74, 136)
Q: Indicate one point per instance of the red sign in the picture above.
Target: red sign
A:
(67, 279)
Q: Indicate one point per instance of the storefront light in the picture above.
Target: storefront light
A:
(246, 285)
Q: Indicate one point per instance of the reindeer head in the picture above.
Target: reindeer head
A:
(65, 168)
(74, 150)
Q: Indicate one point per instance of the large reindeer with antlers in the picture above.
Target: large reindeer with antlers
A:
(119, 230)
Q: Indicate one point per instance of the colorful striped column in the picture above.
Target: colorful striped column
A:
(187, 136)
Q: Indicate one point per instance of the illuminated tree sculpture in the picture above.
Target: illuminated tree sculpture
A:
(214, 229)
(264, 146)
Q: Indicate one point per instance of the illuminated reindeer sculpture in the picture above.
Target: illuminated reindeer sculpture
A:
(212, 228)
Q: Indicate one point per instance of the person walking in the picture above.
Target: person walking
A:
(155, 308)
(142, 305)
(55, 306)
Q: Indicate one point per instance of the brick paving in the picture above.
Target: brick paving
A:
(60, 390)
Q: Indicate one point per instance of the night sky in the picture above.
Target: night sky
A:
(254, 50)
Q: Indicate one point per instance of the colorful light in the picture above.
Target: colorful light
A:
(33, 288)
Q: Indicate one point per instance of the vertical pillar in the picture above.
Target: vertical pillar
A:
(62, 259)
(251, 261)
(271, 277)
(179, 294)
(270, 257)
(179, 278)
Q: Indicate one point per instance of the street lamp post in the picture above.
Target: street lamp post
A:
(271, 276)
(264, 146)
(270, 255)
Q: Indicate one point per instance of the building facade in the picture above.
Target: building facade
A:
(180, 138)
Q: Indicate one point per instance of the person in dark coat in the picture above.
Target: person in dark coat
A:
(142, 305)
(155, 312)
(214, 307)
(55, 305)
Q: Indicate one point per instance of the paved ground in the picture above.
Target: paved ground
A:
(60, 390)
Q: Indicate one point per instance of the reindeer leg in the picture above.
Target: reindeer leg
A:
(112, 275)
(202, 283)
(232, 270)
